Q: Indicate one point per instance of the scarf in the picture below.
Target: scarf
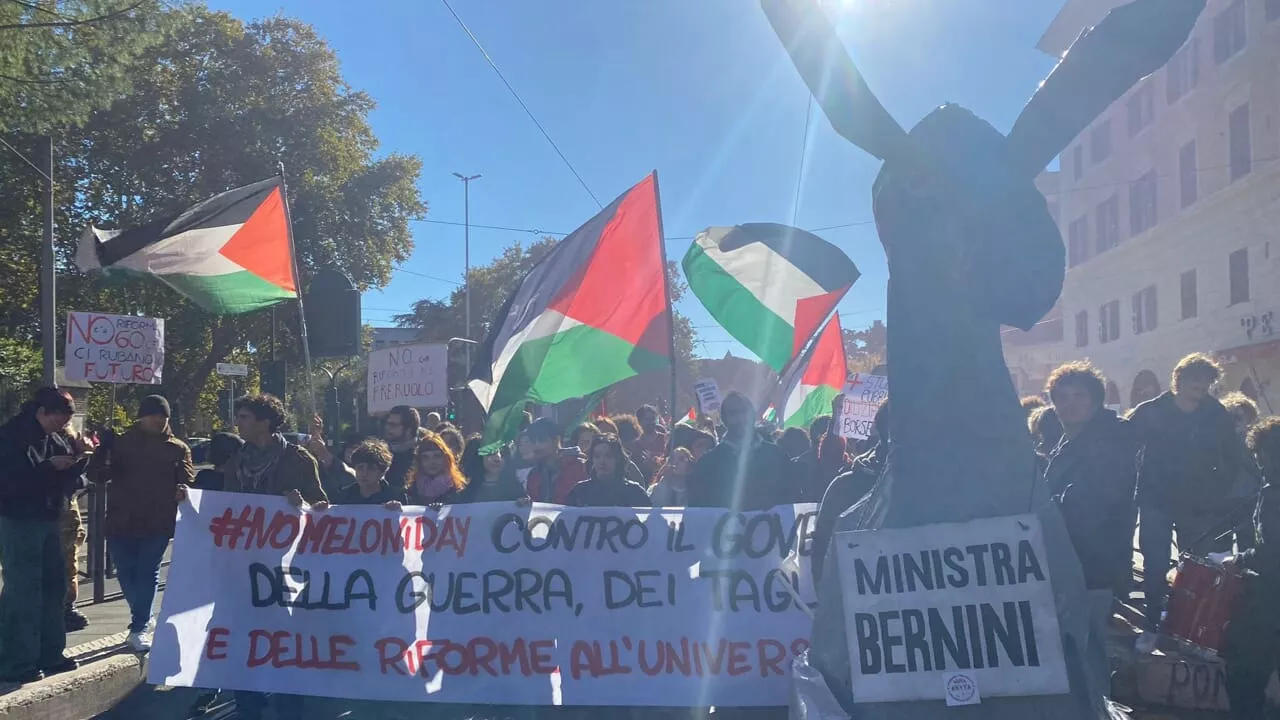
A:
(432, 488)
(257, 464)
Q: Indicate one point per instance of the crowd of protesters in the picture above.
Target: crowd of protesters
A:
(1183, 464)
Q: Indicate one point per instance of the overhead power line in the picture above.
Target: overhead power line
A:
(516, 95)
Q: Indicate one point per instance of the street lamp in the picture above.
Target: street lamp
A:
(466, 222)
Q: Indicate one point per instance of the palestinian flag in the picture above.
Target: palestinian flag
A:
(690, 419)
(770, 414)
(591, 313)
(809, 386)
(229, 254)
(770, 286)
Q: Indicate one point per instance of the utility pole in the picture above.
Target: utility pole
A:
(466, 250)
(48, 294)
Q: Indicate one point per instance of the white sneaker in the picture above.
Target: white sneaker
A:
(139, 641)
(1146, 642)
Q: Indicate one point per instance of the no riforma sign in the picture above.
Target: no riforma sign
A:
(936, 610)
(413, 375)
(114, 348)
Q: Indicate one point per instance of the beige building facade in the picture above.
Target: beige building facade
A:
(1169, 205)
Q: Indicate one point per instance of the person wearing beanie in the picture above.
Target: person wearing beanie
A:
(148, 471)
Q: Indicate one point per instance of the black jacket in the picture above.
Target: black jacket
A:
(763, 471)
(843, 493)
(1189, 461)
(506, 489)
(401, 464)
(1264, 557)
(608, 493)
(30, 489)
(1092, 478)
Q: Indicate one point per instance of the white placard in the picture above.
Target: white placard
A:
(924, 603)
(708, 391)
(117, 349)
(863, 395)
(233, 369)
(413, 375)
(528, 605)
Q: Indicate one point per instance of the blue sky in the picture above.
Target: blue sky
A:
(701, 90)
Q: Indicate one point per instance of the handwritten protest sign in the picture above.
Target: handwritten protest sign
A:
(413, 375)
(114, 348)
(536, 605)
(950, 612)
(862, 397)
(708, 391)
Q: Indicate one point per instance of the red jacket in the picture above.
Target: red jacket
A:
(572, 470)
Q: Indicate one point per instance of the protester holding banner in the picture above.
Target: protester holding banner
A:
(435, 477)
(607, 485)
(553, 473)
(672, 487)
(1252, 651)
(371, 459)
(400, 430)
(488, 478)
(268, 464)
(39, 470)
(149, 470)
(1091, 475)
(742, 472)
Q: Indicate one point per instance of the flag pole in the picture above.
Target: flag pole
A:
(666, 292)
(297, 284)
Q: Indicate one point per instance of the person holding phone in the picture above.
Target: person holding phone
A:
(40, 467)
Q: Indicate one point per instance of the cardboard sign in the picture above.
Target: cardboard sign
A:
(116, 349)
(413, 375)
(954, 612)
(233, 369)
(708, 391)
(863, 395)
(535, 605)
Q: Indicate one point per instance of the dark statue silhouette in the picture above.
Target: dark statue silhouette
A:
(971, 246)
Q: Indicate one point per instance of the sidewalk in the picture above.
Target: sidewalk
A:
(108, 671)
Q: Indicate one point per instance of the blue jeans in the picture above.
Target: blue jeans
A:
(138, 570)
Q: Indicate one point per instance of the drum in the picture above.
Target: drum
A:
(1201, 602)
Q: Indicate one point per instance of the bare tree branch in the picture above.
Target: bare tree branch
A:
(39, 8)
(35, 81)
(76, 23)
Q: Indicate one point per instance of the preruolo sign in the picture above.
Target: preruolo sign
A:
(950, 612)
(413, 375)
(114, 348)
(482, 603)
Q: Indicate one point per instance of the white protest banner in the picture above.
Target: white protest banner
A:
(114, 348)
(862, 397)
(413, 375)
(708, 391)
(951, 611)
(535, 605)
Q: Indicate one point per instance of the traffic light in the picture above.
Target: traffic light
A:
(451, 412)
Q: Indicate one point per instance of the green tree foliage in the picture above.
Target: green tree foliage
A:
(866, 349)
(216, 104)
(62, 59)
(439, 320)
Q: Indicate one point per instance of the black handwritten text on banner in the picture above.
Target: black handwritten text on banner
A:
(536, 605)
(925, 603)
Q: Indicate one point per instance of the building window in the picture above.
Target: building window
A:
(1239, 271)
(1184, 71)
(1077, 157)
(1144, 310)
(1241, 145)
(1109, 322)
(1230, 32)
(1100, 142)
(1273, 10)
(1108, 223)
(1189, 302)
(1142, 203)
(1188, 180)
(1082, 328)
(1142, 109)
(1078, 241)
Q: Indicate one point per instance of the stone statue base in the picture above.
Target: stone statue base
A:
(1082, 618)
